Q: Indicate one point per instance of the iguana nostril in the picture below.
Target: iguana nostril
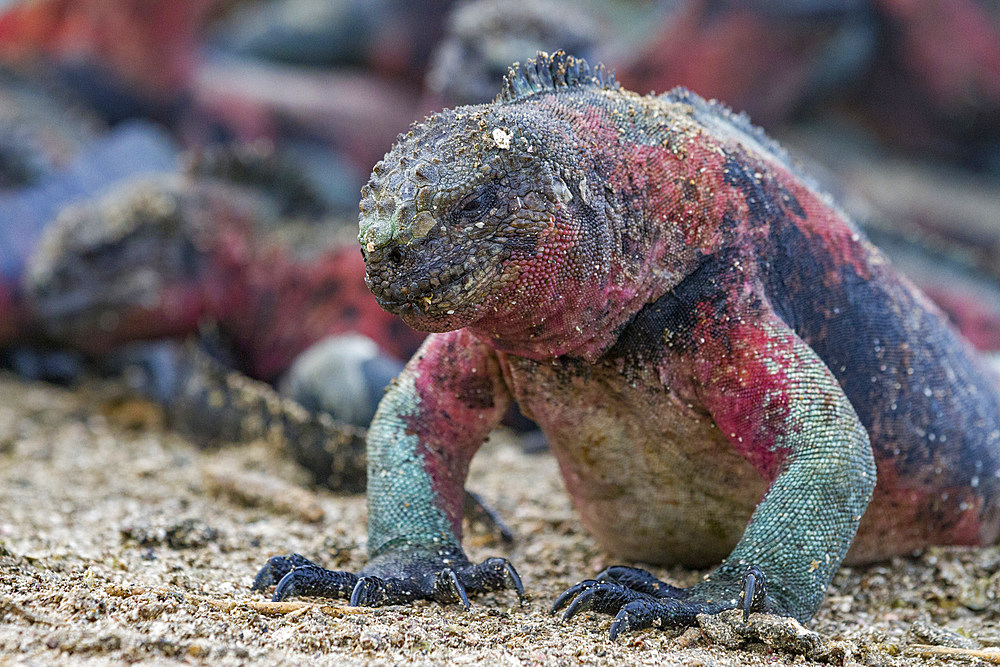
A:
(396, 256)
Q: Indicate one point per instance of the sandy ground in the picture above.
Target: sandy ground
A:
(122, 542)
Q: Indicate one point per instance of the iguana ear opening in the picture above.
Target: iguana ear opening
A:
(550, 73)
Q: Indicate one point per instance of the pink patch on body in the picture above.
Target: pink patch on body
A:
(461, 398)
(747, 396)
(843, 242)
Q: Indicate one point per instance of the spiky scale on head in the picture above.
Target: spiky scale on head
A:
(547, 73)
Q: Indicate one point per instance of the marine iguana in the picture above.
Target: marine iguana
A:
(719, 359)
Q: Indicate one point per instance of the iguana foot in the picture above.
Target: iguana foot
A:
(447, 584)
(639, 600)
(450, 580)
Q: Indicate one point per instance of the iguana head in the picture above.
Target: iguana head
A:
(483, 215)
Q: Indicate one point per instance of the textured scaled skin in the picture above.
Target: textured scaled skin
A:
(717, 357)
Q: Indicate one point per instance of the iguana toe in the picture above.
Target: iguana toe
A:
(753, 591)
(296, 575)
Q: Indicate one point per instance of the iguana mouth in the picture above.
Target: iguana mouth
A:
(433, 276)
(422, 294)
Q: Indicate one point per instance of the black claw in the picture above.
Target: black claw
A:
(581, 602)
(447, 587)
(604, 597)
(615, 587)
(619, 625)
(275, 568)
(266, 576)
(285, 588)
(311, 579)
(494, 574)
(636, 615)
(513, 580)
(753, 591)
(476, 509)
(368, 591)
(639, 600)
(571, 593)
(746, 595)
(459, 588)
(645, 613)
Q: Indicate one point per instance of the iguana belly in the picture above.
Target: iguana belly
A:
(652, 478)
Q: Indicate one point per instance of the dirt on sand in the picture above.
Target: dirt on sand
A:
(122, 542)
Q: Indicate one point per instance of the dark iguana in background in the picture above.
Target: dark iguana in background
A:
(722, 364)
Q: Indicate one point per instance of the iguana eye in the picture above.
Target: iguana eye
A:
(478, 204)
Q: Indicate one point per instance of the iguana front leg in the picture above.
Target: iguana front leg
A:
(784, 411)
(431, 421)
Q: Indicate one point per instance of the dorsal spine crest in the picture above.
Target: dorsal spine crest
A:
(549, 73)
